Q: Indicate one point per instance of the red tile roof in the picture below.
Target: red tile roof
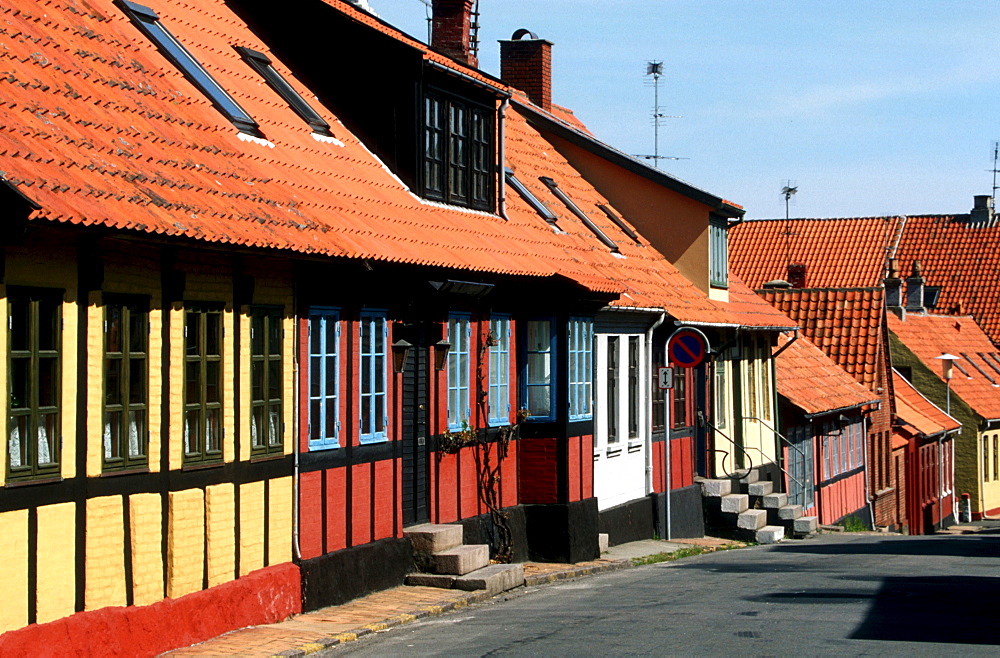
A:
(846, 253)
(98, 129)
(977, 374)
(963, 260)
(843, 322)
(920, 414)
(813, 382)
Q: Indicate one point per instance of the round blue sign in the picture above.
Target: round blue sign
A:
(687, 348)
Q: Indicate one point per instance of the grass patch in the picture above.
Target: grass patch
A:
(690, 551)
(853, 524)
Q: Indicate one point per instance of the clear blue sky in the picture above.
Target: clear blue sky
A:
(871, 108)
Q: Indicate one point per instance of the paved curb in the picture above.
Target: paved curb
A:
(446, 606)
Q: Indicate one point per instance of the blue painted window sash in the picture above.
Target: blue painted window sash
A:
(539, 374)
(324, 378)
(581, 368)
(459, 335)
(499, 385)
(373, 341)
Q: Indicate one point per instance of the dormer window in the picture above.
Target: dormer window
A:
(262, 64)
(149, 23)
(718, 252)
(458, 152)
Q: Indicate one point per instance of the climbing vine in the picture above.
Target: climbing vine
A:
(489, 455)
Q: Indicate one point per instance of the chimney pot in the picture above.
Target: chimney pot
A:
(915, 290)
(982, 211)
(797, 275)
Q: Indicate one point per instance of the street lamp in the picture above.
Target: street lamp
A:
(947, 370)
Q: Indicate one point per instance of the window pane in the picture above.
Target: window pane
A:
(331, 420)
(138, 331)
(315, 376)
(538, 369)
(213, 432)
(213, 334)
(48, 381)
(315, 430)
(20, 383)
(112, 381)
(192, 323)
(192, 419)
(257, 429)
(47, 437)
(257, 380)
(17, 445)
(48, 325)
(192, 382)
(274, 425)
(137, 381)
(213, 380)
(18, 309)
(274, 335)
(136, 432)
(113, 329)
(112, 420)
(539, 333)
(274, 379)
(257, 335)
(316, 327)
(538, 401)
(331, 375)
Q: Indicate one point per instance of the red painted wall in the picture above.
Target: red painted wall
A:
(262, 597)
(839, 498)
(537, 471)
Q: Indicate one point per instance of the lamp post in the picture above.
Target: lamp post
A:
(947, 370)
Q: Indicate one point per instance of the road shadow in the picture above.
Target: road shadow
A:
(961, 546)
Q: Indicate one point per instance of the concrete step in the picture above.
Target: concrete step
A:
(716, 488)
(752, 519)
(441, 580)
(805, 525)
(770, 534)
(734, 503)
(494, 578)
(775, 500)
(434, 537)
(460, 560)
(752, 476)
(760, 488)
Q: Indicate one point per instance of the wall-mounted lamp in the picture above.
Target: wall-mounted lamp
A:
(400, 352)
(441, 349)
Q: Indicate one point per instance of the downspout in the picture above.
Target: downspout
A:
(501, 157)
(868, 496)
(649, 404)
(295, 430)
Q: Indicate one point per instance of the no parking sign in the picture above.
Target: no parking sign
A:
(687, 348)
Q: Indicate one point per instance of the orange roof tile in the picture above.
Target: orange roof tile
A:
(919, 413)
(813, 382)
(843, 322)
(964, 260)
(976, 376)
(836, 252)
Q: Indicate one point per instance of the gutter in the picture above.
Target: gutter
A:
(833, 411)
(502, 157)
(786, 346)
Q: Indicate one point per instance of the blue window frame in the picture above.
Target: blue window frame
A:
(373, 415)
(324, 378)
(538, 388)
(149, 23)
(499, 384)
(459, 335)
(581, 368)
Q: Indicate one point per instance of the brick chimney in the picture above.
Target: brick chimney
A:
(797, 275)
(451, 30)
(915, 290)
(894, 290)
(526, 64)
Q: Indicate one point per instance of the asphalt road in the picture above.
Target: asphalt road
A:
(833, 594)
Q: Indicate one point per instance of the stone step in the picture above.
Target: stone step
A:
(789, 512)
(760, 488)
(603, 541)
(734, 503)
(716, 488)
(752, 476)
(770, 534)
(494, 578)
(434, 537)
(752, 519)
(775, 500)
(805, 525)
(460, 560)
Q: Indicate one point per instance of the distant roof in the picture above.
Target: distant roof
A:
(977, 374)
(837, 253)
(813, 382)
(845, 323)
(916, 411)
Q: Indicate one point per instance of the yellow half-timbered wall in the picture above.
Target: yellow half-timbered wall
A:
(161, 528)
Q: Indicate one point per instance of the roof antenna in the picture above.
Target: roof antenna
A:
(996, 152)
(788, 191)
(655, 69)
(474, 32)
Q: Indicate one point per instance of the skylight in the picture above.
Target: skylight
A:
(262, 64)
(620, 223)
(149, 23)
(554, 186)
(532, 200)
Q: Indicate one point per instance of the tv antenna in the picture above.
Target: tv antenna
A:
(788, 191)
(655, 69)
(996, 153)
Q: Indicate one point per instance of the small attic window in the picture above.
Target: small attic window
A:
(573, 208)
(149, 23)
(532, 200)
(262, 64)
(620, 223)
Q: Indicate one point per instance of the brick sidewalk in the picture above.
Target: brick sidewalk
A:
(313, 631)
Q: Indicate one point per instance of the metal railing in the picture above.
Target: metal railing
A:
(764, 456)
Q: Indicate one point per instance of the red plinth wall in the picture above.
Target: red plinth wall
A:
(265, 596)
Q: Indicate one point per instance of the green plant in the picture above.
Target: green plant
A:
(853, 524)
(690, 551)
